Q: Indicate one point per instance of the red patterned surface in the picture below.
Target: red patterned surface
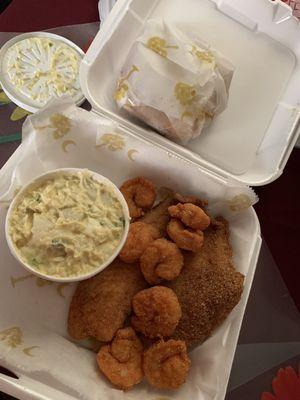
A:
(36, 15)
(286, 385)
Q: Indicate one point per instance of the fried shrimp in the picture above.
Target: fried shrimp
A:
(140, 194)
(140, 236)
(166, 364)
(157, 312)
(190, 215)
(185, 238)
(162, 260)
(121, 361)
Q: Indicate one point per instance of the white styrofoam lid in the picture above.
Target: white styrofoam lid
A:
(251, 140)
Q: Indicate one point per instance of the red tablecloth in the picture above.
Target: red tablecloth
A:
(37, 15)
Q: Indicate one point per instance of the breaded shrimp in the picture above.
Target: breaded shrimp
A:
(140, 236)
(157, 312)
(161, 260)
(185, 238)
(159, 216)
(166, 364)
(121, 361)
(140, 194)
(190, 215)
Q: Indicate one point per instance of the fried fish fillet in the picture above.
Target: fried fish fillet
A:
(159, 216)
(101, 304)
(208, 287)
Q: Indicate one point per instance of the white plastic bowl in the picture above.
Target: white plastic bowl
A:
(46, 176)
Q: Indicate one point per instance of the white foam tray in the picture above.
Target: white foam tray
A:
(212, 361)
(252, 140)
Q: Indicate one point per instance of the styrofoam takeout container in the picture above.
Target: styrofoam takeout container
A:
(127, 155)
(250, 143)
(49, 175)
(252, 139)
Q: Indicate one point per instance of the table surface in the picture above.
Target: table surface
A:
(278, 211)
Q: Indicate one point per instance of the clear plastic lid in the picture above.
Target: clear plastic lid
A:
(39, 66)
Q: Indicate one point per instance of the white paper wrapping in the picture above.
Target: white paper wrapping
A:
(33, 313)
(237, 199)
(104, 7)
(174, 84)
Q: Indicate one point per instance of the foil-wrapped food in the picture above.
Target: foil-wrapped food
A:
(175, 84)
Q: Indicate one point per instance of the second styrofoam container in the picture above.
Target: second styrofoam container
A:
(250, 141)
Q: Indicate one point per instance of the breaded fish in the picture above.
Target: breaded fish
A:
(208, 287)
(101, 304)
(159, 215)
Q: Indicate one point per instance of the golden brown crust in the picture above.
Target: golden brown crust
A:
(184, 237)
(140, 236)
(166, 364)
(190, 215)
(121, 361)
(156, 312)
(101, 304)
(191, 199)
(208, 287)
(162, 260)
(140, 195)
(159, 215)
